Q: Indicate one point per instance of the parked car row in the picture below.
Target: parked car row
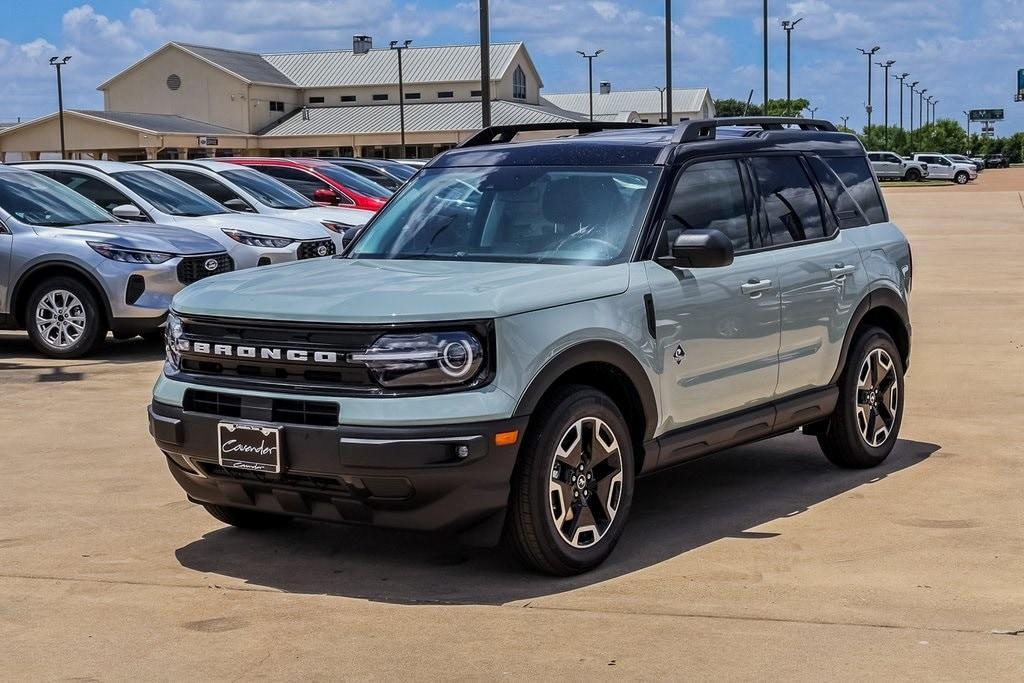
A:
(88, 247)
(929, 165)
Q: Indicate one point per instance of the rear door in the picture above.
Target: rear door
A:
(717, 328)
(6, 246)
(937, 166)
(821, 274)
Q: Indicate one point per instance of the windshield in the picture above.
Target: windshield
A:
(168, 194)
(354, 181)
(400, 171)
(514, 213)
(269, 191)
(35, 199)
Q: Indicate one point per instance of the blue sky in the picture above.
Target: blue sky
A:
(965, 52)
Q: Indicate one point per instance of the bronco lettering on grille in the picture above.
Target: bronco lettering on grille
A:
(260, 352)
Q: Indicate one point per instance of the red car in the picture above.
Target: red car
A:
(320, 181)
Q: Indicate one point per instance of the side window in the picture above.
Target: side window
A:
(895, 159)
(844, 207)
(858, 179)
(789, 201)
(96, 191)
(300, 181)
(208, 186)
(709, 194)
(875, 157)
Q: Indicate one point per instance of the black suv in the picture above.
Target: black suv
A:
(996, 161)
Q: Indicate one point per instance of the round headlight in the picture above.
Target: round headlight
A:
(457, 358)
(425, 359)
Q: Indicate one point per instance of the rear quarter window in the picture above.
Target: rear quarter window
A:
(856, 175)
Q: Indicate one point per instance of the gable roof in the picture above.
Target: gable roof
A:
(343, 68)
(148, 123)
(643, 101)
(249, 66)
(419, 118)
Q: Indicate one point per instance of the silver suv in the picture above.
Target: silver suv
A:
(69, 271)
(141, 194)
(889, 165)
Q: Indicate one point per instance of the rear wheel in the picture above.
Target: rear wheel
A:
(962, 178)
(64, 318)
(913, 175)
(866, 423)
(573, 485)
(246, 519)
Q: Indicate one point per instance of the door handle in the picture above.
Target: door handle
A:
(839, 270)
(753, 288)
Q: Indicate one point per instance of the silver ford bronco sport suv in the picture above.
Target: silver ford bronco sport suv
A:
(526, 328)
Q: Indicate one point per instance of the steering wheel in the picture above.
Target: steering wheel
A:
(610, 249)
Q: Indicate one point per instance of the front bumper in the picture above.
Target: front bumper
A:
(398, 477)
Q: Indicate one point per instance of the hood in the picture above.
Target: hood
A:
(334, 213)
(271, 226)
(386, 291)
(146, 236)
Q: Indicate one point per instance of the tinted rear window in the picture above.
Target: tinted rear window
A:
(857, 176)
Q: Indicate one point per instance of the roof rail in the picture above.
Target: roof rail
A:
(693, 131)
(500, 134)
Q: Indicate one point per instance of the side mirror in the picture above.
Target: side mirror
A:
(325, 196)
(128, 212)
(237, 204)
(349, 236)
(699, 248)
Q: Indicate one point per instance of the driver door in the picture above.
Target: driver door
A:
(718, 329)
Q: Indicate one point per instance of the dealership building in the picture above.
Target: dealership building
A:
(187, 101)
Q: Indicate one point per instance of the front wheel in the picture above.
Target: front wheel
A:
(913, 175)
(962, 178)
(866, 423)
(64, 318)
(573, 485)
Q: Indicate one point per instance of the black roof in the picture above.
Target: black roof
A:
(634, 145)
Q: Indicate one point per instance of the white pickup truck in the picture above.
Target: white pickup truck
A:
(942, 167)
(889, 165)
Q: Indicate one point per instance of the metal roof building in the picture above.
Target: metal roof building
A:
(649, 104)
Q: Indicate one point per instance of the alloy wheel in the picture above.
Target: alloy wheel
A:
(877, 397)
(586, 482)
(60, 318)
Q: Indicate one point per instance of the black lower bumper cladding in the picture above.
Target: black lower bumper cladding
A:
(437, 478)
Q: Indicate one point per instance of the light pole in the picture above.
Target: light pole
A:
(813, 110)
(765, 31)
(846, 122)
(401, 87)
(869, 54)
(485, 64)
(788, 27)
(911, 99)
(661, 112)
(920, 108)
(668, 62)
(887, 65)
(590, 72)
(58, 63)
(902, 77)
(935, 105)
(928, 111)
(967, 115)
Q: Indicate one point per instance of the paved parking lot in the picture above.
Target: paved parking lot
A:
(761, 562)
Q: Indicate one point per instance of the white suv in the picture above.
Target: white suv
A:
(140, 194)
(892, 165)
(942, 167)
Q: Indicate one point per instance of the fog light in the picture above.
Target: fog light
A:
(462, 451)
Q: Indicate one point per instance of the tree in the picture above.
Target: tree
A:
(731, 107)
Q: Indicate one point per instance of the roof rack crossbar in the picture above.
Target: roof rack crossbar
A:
(501, 134)
(694, 131)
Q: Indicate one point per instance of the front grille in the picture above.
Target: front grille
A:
(312, 249)
(261, 409)
(327, 485)
(194, 268)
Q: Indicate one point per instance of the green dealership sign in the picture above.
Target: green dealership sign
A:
(986, 115)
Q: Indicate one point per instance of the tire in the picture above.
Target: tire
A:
(246, 519)
(548, 530)
(913, 175)
(853, 435)
(64, 318)
(962, 178)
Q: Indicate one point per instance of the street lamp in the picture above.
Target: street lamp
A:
(869, 54)
(846, 122)
(887, 65)
(928, 109)
(912, 93)
(920, 108)
(813, 110)
(788, 27)
(967, 114)
(668, 62)
(661, 112)
(485, 64)
(590, 72)
(58, 63)
(935, 105)
(765, 31)
(902, 77)
(401, 87)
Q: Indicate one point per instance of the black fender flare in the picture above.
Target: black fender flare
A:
(71, 265)
(605, 352)
(881, 298)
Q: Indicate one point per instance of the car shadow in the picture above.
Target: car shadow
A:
(722, 496)
(17, 353)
